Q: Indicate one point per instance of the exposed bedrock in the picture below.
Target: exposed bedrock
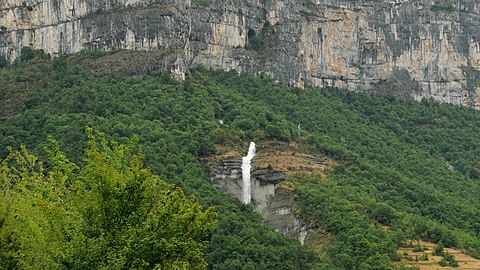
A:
(419, 49)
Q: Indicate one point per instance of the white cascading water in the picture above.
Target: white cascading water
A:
(246, 167)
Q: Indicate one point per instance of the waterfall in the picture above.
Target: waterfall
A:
(246, 167)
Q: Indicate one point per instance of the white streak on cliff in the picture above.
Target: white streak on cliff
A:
(246, 167)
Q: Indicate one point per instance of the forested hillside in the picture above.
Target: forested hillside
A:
(404, 170)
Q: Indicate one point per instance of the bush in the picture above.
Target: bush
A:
(59, 63)
(88, 216)
(418, 248)
(382, 213)
(3, 61)
(423, 257)
(448, 260)
(28, 53)
(438, 251)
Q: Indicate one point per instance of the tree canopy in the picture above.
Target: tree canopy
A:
(411, 167)
(108, 213)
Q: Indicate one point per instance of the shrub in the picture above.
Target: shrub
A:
(28, 53)
(3, 61)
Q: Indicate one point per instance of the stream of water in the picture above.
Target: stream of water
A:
(246, 168)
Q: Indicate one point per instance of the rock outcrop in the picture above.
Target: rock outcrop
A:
(420, 49)
(280, 214)
(226, 174)
(272, 196)
(276, 203)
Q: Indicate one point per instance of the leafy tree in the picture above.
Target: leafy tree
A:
(28, 53)
(110, 213)
(59, 63)
(273, 132)
(438, 251)
(409, 165)
(382, 213)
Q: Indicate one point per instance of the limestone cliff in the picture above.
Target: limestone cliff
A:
(424, 48)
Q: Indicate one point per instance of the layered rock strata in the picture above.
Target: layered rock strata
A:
(419, 49)
(226, 174)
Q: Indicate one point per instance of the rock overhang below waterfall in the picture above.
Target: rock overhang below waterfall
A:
(267, 176)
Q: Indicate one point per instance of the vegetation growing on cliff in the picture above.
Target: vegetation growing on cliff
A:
(3, 61)
(412, 167)
(443, 8)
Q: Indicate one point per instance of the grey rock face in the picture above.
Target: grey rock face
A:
(421, 49)
(226, 175)
(263, 188)
(280, 214)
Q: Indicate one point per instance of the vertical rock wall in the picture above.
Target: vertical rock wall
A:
(420, 49)
(226, 174)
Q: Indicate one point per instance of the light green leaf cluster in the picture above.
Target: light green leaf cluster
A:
(110, 213)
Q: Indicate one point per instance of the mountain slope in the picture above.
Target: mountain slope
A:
(409, 166)
(414, 49)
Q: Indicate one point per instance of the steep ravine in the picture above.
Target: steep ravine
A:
(421, 49)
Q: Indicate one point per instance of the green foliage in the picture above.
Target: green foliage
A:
(411, 166)
(176, 123)
(59, 63)
(448, 260)
(3, 61)
(438, 251)
(382, 213)
(391, 152)
(257, 41)
(27, 54)
(423, 257)
(443, 8)
(417, 248)
(254, 247)
(110, 213)
(262, 41)
(359, 244)
(308, 3)
(273, 132)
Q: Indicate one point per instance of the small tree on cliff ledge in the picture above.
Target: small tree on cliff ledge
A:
(108, 214)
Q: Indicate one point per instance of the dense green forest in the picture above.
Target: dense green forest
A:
(404, 169)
